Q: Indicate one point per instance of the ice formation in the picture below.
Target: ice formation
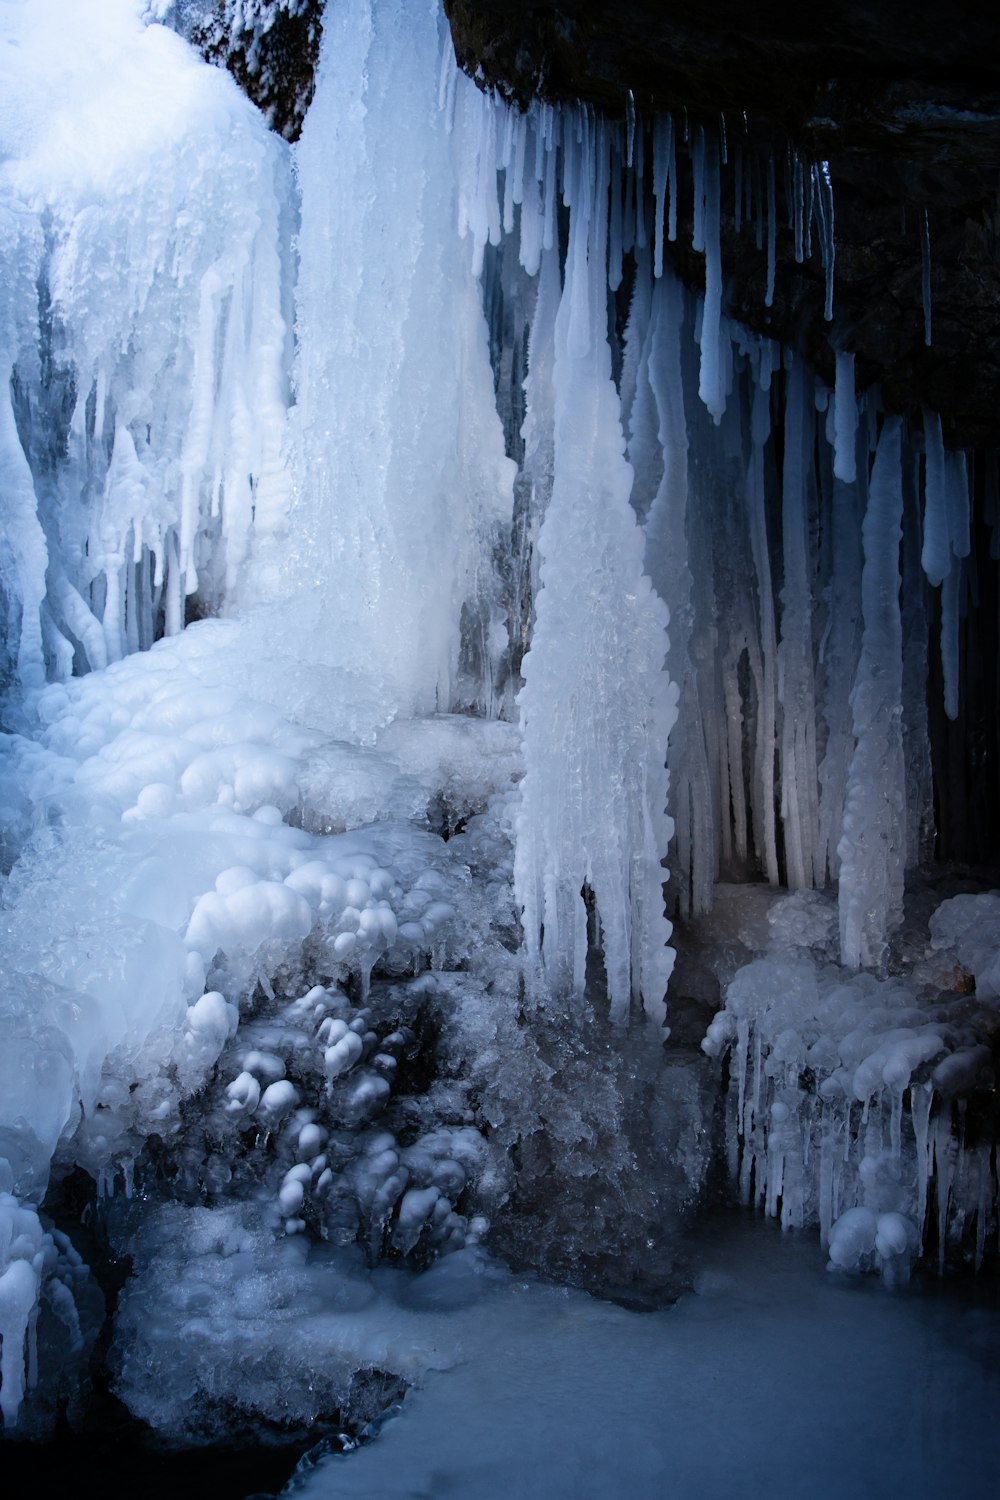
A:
(534, 576)
(855, 1097)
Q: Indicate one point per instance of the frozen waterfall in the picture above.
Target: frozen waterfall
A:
(431, 633)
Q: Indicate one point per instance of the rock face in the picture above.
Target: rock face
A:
(271, 48)
(902, 101)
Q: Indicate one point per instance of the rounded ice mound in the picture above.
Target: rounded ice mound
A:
(971, 926)
(862, 1240)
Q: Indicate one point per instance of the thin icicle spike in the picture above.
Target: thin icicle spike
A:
(712, 385)
(824, 198)
(772, 231)
(661, 173)
(698, 181)
(925, 277)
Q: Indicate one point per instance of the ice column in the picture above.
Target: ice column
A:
(799, 783)
(596, 706)
(872, 847)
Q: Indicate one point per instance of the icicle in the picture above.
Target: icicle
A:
(921, 1098)
(916, 740)
(661, 172)
(447, 81)
(711, 384)
(957, 502)
(772, 230)
(944, 1164)
(951, 595)
(640, 194)
(671, 180)
(549, 229)
(698, 180)
(925, 278)
(629, 128)
(845, 408)
(935, 557)
(668, 560)
(79, 620)
(824, 199)
(532, 228)
(615, 226)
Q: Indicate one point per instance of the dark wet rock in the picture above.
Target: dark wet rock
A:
(271, 48)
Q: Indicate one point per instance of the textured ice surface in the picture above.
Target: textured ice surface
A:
(149, 382)
(167, 883)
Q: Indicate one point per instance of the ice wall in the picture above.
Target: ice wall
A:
(402, 484)
(148, 366)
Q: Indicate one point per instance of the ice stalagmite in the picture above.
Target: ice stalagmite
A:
(596, 705)
(873, 844)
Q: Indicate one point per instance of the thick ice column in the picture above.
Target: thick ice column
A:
(799, 782)
(597, 705)
(873, 846)
(400, 468)
(840, 657)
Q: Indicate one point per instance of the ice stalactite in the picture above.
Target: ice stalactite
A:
(738, 456)
(597, 706)
(668, 562)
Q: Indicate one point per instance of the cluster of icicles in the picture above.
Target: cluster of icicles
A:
(792, 529)
(793, 688)
(143, 399)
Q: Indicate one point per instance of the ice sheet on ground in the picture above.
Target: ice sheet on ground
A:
(768, 1380)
